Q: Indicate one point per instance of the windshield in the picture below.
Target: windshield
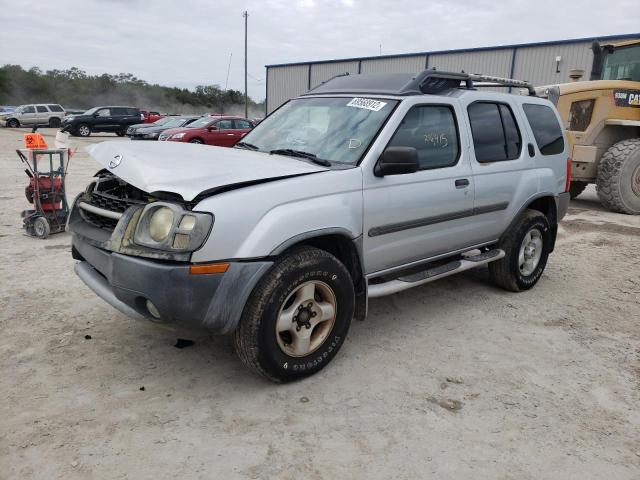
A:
(622, 64)
(175, 122)
(162, 121)
(203, 122)
(337, 129)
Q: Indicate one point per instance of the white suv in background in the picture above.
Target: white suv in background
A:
(50, 114)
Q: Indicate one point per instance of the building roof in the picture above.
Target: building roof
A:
(466, 50)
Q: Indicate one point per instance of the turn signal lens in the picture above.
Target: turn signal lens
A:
(208, 268)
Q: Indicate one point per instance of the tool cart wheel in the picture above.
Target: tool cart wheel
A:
(41, 227)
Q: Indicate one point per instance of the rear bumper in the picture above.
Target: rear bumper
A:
(562, 204)
(212, 301)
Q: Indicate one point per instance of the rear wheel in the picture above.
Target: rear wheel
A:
(41, 227)
(13, 123)
(54, 122)
(121, 133)
(577, 188)
(618, 180)
(83, 130)
(297, 317)
(196, 140)
(526, 248)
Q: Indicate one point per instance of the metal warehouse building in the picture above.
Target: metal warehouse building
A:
(540, 63)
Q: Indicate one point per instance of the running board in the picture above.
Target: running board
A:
(456, 266)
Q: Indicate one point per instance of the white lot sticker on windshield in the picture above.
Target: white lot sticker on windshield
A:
(367, 104)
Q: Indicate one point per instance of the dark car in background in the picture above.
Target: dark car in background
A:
(102, 119)
(152, 131)
(222, 131)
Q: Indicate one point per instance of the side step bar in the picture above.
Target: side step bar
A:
(456, 266)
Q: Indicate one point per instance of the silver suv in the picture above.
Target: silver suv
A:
(364, 187)
(42, 114)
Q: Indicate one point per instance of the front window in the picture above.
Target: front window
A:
(203, 122)
(622, 64)
(91, 111)
(164, 121)
(338, 129)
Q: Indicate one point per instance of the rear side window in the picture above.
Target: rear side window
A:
(431, 130)
(42, 109)
(119, 112)
(495, 132)
(135, 112)
(546, 128)
(225, 125)
(55, 108)
(242, 124)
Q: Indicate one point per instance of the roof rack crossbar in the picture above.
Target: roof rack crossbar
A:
(426, 82)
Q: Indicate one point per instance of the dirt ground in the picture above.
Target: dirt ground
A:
(453, 380)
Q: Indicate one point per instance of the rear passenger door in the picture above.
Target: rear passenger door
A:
(224, 135)
(501, 163)
(240, 129)
(415, 216)
(42, 115)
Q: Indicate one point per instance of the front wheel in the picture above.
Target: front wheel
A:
(13, 123)
(83, 130)
(526, 248)
(297, 317)
(618, 182)
(196, 140)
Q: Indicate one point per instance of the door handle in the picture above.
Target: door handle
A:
(532, 151)
(462, 183)
(230, 134)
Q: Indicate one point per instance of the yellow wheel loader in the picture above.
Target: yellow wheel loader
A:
(602, 119)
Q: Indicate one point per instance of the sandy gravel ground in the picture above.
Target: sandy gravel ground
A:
(453, 380)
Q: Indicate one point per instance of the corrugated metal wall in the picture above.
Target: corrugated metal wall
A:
(324, 71)
(535, 63)
(284, 83)
(492, 62)
(407, 64)
(538, 64)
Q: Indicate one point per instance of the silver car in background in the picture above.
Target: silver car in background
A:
(40, 114)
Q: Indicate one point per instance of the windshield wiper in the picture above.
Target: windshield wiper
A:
(246, 145)
(299, 153)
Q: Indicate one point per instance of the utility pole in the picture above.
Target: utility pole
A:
(245, 14)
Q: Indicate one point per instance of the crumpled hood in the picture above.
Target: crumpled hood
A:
(189, 169)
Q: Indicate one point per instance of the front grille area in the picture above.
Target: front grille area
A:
(111, 193)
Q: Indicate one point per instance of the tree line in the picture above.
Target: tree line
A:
(75, 89)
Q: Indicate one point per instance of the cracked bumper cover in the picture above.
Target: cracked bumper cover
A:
(213, 301)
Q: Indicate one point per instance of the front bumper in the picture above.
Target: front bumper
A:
(213, 301)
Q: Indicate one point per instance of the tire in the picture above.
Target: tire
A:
(577, 188)
(196, 140)
(284, 355)
(55, 122)
(83, 130)
(508, 272)
(13, 123)
(618, 181)
(41, 227)
(121, 133)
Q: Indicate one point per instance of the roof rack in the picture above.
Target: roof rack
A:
(426, 82)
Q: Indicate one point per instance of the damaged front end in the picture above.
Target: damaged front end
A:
(116, 216)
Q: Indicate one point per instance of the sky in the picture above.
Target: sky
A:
(186, 43)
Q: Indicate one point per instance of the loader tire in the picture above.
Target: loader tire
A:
(618, 181)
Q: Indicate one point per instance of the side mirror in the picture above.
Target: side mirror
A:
(212, 128)
(397, 161)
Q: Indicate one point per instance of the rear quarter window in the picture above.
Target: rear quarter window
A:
(55, 108)
(546, 129)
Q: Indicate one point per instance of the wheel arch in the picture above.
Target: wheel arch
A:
(339, 243)
(545, 203)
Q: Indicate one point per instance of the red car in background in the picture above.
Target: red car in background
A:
(150, 117)
(221, 131)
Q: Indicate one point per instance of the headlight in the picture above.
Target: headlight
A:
(167, 226)
(177, 135)
(160, 223)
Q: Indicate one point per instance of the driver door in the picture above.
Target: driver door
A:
(103, 121)
(415, 216)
